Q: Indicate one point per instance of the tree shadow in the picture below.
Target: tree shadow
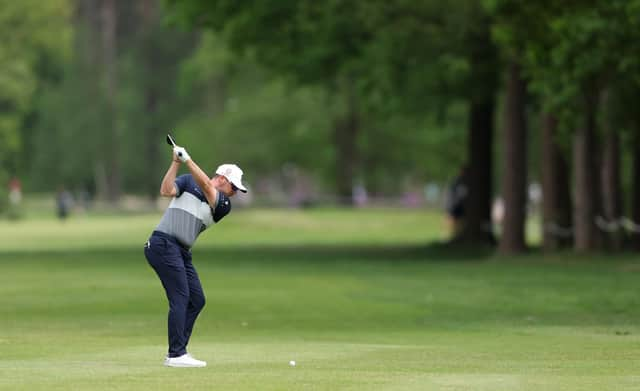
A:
(431, 252)
(305, 252)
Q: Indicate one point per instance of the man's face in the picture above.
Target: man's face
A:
(225, 187)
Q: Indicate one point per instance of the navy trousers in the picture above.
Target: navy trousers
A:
(172, 263)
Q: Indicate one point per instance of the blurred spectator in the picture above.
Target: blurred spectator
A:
(63, 202)
(535, 197)
(15, 197)
(497, 211)
(411, 199)
(15, 191)
(455, 200)
(360, 196)
(432, 193)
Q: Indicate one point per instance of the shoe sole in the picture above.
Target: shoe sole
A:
(184, 365)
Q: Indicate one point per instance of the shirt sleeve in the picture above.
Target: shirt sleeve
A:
(223, 207)
(180, 184)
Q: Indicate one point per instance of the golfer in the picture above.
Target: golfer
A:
(198, 202)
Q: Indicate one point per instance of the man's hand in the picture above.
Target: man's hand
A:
(181, 154)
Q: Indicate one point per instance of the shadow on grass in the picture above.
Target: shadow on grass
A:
(431, 252)
(434, 252)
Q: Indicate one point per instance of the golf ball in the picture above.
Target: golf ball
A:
(292, 363)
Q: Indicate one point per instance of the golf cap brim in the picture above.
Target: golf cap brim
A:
(239, 186)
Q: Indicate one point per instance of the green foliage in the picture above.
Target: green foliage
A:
(408, 148)
(67, 135)
(248, 116)
(572, 53)
(150, 103)
(579, 50)
(259, 93)
(36, 39)
(72, 113)
(379, 52)
(414, 59)
(263, 83)
(312, 42)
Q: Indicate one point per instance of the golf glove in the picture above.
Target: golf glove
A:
(182, 154)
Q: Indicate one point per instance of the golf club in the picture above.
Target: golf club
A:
(172, 142)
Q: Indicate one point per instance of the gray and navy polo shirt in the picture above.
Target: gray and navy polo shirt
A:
(189, 213)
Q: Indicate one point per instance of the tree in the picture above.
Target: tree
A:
(128, 108)
(247, 115)
(635, 186)
(556, 197)
(149, 101)
(514, 181)
(370, 56)
(427, 56)
(36, 40)
(112, 166)
(611, 177)
(312, 43)
(580, 62)
(519, 24)
(483, 78)
(570, 53)
(620, 125)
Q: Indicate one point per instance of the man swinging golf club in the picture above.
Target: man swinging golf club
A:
(198, 202)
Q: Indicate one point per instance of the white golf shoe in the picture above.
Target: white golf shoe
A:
(184, 361)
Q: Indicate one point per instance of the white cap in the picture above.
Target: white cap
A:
(234, 174)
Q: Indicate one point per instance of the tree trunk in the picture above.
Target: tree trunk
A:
(586, 182)
(635, 193)
(477, 226)
(564, 211)
(109, 23)
(514, 180)
(88, 46)
(152, 148)
(100, 178)
(149, 18)
(556, 199)
(477, 219)
(346, 131)
(612, 190)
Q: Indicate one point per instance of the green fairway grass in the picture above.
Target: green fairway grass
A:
(357, 298)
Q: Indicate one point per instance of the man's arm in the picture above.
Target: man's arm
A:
(168, 188)
(203, 181)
